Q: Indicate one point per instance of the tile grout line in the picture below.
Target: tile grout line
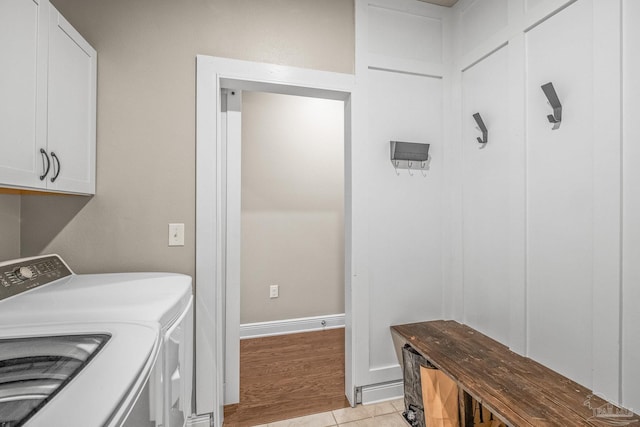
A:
(335, 420)
(371, 417)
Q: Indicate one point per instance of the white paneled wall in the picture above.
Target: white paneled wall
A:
(485, 186)
(480, 19)
(406, 278)
(533, 3)
(420, 38)
(560, 210)
(560, 196)
(400, 63)
(534, 226)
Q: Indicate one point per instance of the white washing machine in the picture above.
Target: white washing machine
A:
(95, 349)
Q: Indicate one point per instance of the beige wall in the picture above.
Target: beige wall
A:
(146, 116)
(292, 207)
(9, 226)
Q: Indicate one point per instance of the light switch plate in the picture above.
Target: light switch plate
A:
(274, 291)
(176, 234)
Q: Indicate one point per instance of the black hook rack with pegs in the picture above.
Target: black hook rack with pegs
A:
(405, 154)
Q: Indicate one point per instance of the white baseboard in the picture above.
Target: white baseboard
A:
(382, 392)
(291, 326)
(199, 421)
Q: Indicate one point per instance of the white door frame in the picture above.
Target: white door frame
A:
(211, 333)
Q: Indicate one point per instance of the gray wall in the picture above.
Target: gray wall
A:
(146, 117)
(9, 226)
(292, 207)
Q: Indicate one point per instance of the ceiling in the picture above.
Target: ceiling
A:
(447, 3)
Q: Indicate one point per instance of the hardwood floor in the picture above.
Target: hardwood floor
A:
(289, 376)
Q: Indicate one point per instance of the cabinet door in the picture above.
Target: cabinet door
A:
(71, 108)
(22, 96)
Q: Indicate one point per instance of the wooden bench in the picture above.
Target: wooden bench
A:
(516, 389)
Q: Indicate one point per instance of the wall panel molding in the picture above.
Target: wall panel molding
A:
(400, 96)
(596, 112)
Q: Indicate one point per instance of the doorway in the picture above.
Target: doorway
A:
(292, 208)
(291, 257)
(216, 232)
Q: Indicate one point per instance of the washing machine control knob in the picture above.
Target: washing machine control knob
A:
(24, 273)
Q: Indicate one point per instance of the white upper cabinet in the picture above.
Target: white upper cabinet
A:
(47, 101)
(71, 108)
(22, 80)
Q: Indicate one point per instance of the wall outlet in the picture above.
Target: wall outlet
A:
(176, 234)
(274, 291)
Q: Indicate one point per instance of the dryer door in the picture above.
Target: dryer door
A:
(34, 369)
(178, 370)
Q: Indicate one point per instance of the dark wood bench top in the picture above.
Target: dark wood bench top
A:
(518, 390)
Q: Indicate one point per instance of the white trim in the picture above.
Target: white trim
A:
(208, 308)
(382, 392)
(199, 421)
(291, 326)
(212, 308)
(231, 124)
(607, 194)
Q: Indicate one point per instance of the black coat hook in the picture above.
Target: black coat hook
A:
(483, 129)
(552, 96)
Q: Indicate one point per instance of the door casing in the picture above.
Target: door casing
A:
(213, 236)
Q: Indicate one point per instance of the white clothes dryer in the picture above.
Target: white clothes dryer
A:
(118, 347)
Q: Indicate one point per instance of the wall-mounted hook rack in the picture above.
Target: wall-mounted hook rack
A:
(414, 151)
(554, 101)
(404, 155)
(483, 129)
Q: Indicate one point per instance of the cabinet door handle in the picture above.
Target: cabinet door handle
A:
(46, 169)
(56, 170)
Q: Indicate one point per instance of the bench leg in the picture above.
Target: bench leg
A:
(466, 408)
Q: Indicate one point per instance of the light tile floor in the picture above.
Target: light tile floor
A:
(384, 414)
